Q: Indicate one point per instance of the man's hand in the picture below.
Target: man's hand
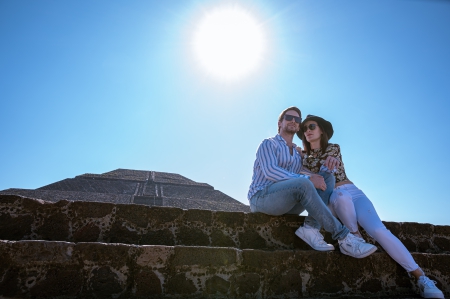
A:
(331, 163)
(300, 151)
(318, 181)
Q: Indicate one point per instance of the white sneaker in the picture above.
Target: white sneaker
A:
(356, 247)
(313, 238)
(428, 289)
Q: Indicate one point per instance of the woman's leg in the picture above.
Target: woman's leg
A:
(341, 205)
(368, 218)
(371, 222)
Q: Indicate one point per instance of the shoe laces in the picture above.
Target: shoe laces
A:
(319, 237)
(428, 282)
(353, 241)
(360, 239)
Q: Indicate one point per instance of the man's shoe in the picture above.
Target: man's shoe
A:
(313, 238)
(356, 247)
(428, 289)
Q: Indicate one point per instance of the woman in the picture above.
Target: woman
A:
(351, 205)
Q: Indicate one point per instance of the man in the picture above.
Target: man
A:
(279, 188)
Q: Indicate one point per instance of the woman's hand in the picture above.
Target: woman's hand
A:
(332, 163)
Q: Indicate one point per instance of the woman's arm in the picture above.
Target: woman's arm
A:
(332, 158)
(331, 162)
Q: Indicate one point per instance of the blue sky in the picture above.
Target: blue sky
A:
(89, 87)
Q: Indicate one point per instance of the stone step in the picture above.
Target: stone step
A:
(30, 219)
(55, 269)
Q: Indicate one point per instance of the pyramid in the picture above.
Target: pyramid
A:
(127, 186)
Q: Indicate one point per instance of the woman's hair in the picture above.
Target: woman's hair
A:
(323, 141)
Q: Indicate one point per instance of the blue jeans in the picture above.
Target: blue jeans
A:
(297, 195)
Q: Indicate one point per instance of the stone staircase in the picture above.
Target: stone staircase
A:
(81, 249)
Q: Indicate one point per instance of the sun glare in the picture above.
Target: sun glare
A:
(229, 43)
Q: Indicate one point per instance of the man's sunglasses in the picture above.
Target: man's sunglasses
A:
(312, 127)
(297, 119)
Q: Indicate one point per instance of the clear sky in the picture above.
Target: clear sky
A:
(92, 86)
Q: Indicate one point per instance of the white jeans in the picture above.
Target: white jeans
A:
(352, 206)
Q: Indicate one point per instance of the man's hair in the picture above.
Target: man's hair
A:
(323, 141)
(293, 108)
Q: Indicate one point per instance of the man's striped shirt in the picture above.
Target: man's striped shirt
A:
(274, 163)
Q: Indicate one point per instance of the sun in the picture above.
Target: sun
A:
(229, 43)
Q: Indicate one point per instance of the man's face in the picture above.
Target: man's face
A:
(289, 126)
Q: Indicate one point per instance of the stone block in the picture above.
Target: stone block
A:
(191, 236)
(55, 226)
(191, 217)
(147, 284)
(121, 232)
(203, 256)
(133, 215)
(29, 252)
(158, 237)
(15, 228)
(179, 284)
(230, 219)
(246, 285)
(9, 199)
(217, 286)
(106, 282)
(443, 243)
(92, 210)
(160, 216)
(30, 204)
(252, 239)
(87, 233)
(59, 282)
(154, 257)
(219, 238)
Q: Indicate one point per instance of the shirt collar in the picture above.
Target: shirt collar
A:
(279, 138)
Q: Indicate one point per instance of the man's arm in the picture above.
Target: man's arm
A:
(268, 162)
(306, 171)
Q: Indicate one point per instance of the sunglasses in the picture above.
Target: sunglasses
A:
(312, 127)
(297, 119)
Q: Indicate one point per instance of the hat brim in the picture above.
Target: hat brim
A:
(325, 124)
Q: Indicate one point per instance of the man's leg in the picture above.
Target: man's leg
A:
(324, 195)
(330, 180)
(293, 197)
(298, 195)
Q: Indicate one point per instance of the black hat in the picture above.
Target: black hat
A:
(324, 124)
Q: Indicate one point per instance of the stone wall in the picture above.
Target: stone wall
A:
(45, 269)
(70, 249)
(29, 219)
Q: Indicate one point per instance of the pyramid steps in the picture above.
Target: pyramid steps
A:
(30, 219)
(68, 249)
(113, 270)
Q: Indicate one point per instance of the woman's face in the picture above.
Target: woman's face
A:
(312, 131)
